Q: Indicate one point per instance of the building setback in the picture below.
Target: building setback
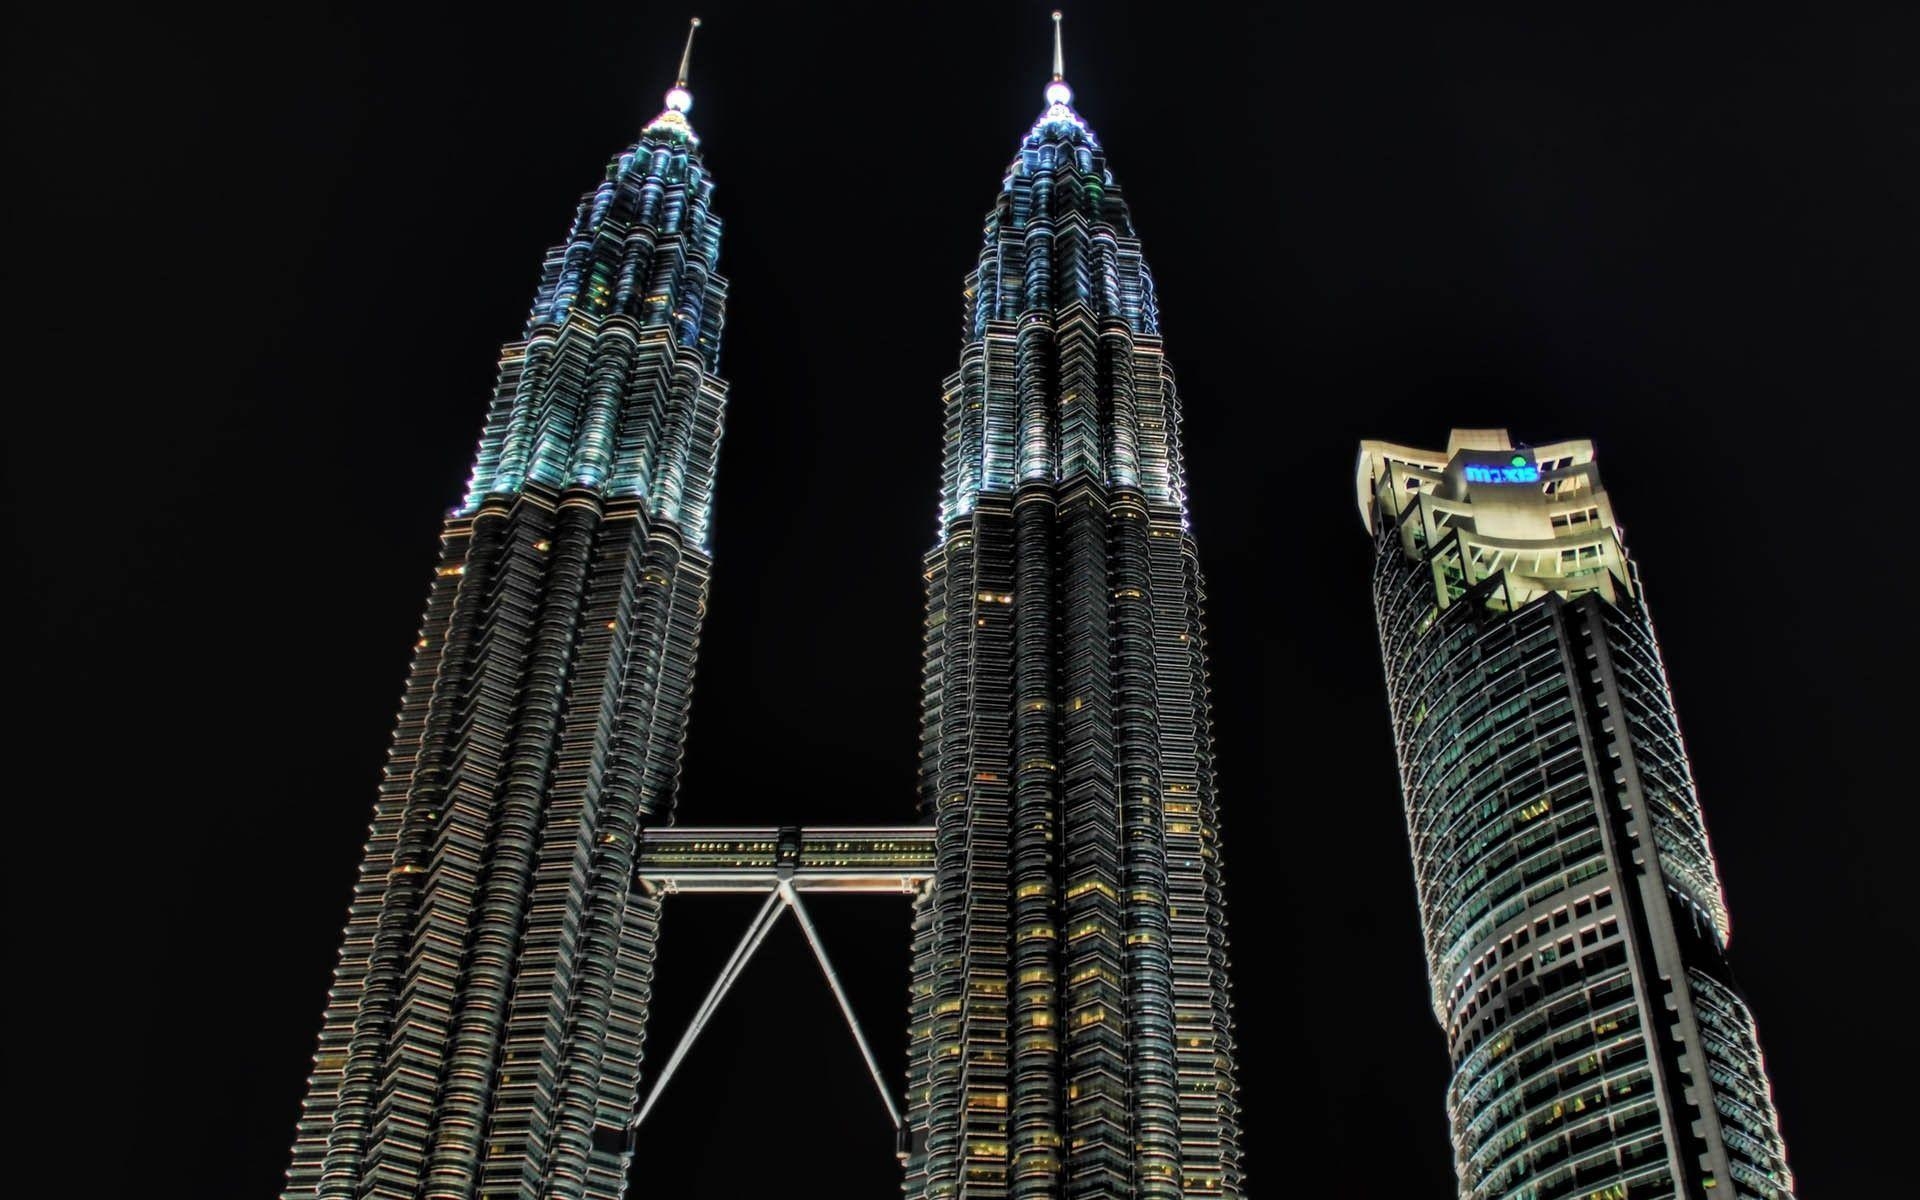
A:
(1575, 929)
(1071, 1033)
(483, 1032)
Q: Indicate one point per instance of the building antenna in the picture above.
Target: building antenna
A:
(686, 56)
(679, 99)
(1058, 92)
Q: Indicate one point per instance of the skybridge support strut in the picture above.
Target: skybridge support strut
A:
(846, 1006)
(749, 942)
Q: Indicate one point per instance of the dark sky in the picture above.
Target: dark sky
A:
(266, 263)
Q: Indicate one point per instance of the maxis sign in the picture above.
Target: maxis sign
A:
(1517, 471)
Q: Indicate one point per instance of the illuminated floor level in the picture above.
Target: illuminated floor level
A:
(862, 858)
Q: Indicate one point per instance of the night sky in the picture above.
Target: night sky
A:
(267, 263)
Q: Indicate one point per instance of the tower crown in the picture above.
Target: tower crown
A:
(1059, 253)
(633, 293)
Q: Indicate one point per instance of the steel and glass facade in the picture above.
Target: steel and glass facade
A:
(1070, 1026)
(1070, 1029)
(483, 1032)
(1575, 928)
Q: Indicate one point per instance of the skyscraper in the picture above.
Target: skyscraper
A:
(483, 1032)
(1071, 1033)
(1575, 929)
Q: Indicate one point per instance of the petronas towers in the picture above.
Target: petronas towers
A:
(1070, 1032)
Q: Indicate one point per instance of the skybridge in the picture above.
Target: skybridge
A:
(782, 862)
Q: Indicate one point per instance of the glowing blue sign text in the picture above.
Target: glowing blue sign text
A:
(1514, 474)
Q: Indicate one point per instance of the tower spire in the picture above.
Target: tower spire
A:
(686, 56)
(679, 99)
(1058, 93)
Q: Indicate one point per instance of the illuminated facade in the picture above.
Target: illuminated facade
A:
(1070, 1033)
(1070, 1026)
(1575, 928)
(483, 1032)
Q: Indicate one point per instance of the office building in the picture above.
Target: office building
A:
(1575, 929)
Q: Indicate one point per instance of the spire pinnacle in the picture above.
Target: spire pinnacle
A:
(686, 56)
(673, 118)
(679, 99)
(1058, 93)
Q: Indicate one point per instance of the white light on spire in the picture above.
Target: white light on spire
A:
(680, 99)
(673, 118)
(1058, 93)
